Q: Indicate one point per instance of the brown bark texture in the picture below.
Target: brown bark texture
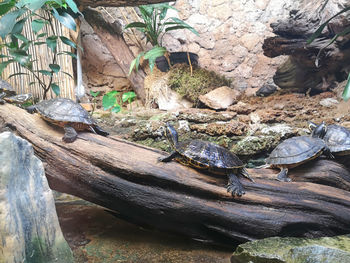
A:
(117, 3)
(111, 36)
(127, 179)
(302, 72)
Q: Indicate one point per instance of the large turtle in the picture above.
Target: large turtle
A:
(67, 114)
(336, 137)
(7, 93)
(205, 155)
(296, 151)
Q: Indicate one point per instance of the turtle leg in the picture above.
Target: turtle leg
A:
(70, 134)
(283, 175)
(168, 158)
(234, 186)
(245, 173)
(31, 109)
(100, 131)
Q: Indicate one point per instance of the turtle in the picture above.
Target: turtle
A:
(208, 156)
(68, 114)
(7, 93)
(336, 137)
(297, 150)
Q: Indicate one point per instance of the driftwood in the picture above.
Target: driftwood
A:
(127, 179)
(111, 36)
(300, 73)
(117, 3)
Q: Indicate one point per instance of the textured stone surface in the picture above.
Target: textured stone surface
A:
(29, 229)
(294, 250)
(220, 98)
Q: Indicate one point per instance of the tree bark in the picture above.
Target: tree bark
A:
(302, 72)
(116, 3)
(127, 179)
(111, 36)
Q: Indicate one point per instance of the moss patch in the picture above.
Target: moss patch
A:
(191, 87)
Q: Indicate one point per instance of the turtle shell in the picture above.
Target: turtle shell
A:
(337, 139)
(61, 111)
(296, 150)
(7, 88)
(206, 155)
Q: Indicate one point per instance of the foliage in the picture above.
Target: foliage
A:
(154, 26)
(94, 95)
(14, 16)
(317, 33)
(199, 83)
(110, 100)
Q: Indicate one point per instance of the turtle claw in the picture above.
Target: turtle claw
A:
(235, 190)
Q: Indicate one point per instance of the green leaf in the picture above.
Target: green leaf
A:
(65, 19)
(346, 92)
(21, 37)
(45, 72)
(55, 88)
(33, 5)
(116, 109)
(38, 24)
(8, 21)
(108, 101)
(128, 96)
(55, 68)
(68, 42)
(94, 94)
(135, 25)
(4, 64)
(51, 42)
(320, 29)
(20, 56)
(182, 23)
(39, 43)
(135, 63)
(68, 53)
(18, 27)
(42, 35)
(6, 6)
(73, 6)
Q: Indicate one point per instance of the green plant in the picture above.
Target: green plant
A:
(14, 16)
(346, 31)
(94, 95)
(110, 100)
(154, 26)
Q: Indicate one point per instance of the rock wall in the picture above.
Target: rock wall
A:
(29, 228)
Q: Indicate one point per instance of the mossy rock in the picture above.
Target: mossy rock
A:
(252, 145)
(294, 250)
(200, 82)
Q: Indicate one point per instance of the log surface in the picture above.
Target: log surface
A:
(127, 179)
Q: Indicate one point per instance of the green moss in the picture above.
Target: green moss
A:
(191, 87)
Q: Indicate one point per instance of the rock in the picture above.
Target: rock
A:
(266, 90)
(329, 102)
(230, 128)
(242, 108)
(294, 250)
(29, 227)
(204, 115)
(220, 98)
(252, 145)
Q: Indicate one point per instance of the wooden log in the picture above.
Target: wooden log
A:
(302, 72)
(127, 179)
(112, 38)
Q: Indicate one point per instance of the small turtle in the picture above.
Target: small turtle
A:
(67, 114)
(7, 93)
(296, 151)
(205, 155)
(266, 90)
(337, 138)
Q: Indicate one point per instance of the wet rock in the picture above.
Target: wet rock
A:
(221, 128)
(252, 145)
(294, 250)
(220, 98)
(266, 90)
(204, 115)
(242, 108)
(29, 227)
(329, 102)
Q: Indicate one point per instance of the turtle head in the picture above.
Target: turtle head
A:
(311, 126)
(319, 130)
(171, 135)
